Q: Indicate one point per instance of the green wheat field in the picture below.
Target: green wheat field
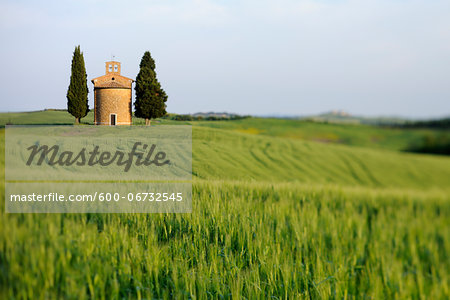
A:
(282, 209)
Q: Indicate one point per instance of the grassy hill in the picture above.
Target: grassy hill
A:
(42, 117)
(256, 149)
(221, 154)
(275, 215)
(347, 134)
(344, 117)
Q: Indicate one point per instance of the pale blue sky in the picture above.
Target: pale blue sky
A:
(369, 57)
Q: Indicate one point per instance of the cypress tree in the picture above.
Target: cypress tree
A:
(77, 93)
(150, 97)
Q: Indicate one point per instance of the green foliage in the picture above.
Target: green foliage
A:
(150, 97)
(436, 124)
(77, 93)
(177, 117)
(439, 144)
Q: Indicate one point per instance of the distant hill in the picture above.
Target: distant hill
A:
(222, 115)
(338, 116)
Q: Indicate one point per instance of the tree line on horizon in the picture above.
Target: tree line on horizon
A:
(150, 97)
